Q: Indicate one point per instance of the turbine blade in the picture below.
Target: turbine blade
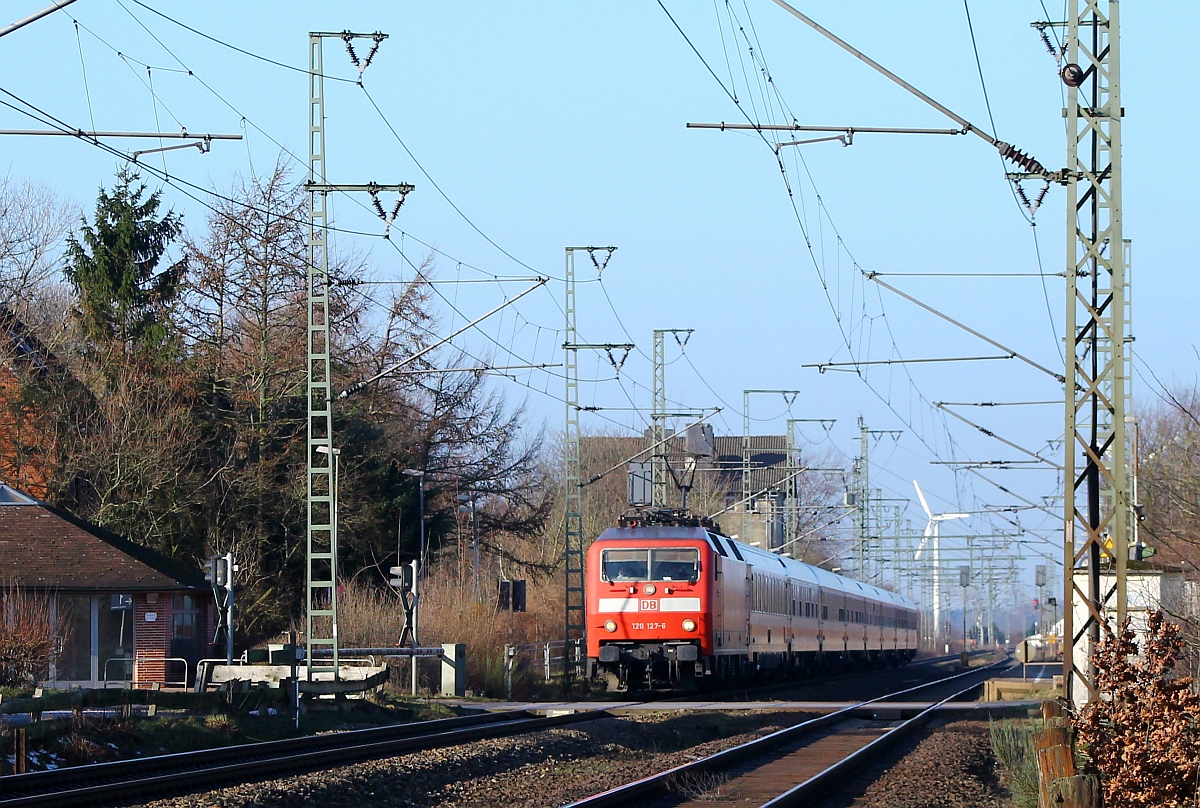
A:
(921, 496)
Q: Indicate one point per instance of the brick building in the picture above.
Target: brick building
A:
(121, 611)
(39, 396)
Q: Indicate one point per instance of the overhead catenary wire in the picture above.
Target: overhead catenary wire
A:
(369, 234)
(183, 184)
(32, 111)
(808, 241)
(883, 398)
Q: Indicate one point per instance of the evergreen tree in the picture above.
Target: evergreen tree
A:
(114, 269)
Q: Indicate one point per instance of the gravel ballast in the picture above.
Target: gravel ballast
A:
(542, 769)
(951, 767)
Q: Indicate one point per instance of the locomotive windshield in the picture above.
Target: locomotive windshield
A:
(682, 564)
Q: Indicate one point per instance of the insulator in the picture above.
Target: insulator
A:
(371, 54)
(1072, 75)
(1042, 194)
(1021, 194)
(348, 39)
(600, 266)
(1053, 51)
(1015, 155)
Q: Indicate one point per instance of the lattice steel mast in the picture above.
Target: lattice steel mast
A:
(572, 479)
(321, 560)
(1096, 505)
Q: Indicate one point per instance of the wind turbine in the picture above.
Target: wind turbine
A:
(934, 529)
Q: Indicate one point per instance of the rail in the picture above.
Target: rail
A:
(641, 790)
(128, 780)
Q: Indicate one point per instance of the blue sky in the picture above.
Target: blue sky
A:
(555, 124)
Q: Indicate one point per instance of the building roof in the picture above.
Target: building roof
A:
(768, 458)
(29, 357)
(768, 462)
(44, 547)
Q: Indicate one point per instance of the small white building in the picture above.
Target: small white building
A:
(1146, 590)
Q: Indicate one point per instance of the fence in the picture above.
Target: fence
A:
(555, 660)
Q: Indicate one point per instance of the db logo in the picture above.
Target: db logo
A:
(648, 606)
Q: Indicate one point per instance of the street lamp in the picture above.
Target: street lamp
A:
(964, 578)
(421, 549)
(472, 499)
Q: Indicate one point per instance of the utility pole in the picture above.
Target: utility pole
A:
(658, 416)
(791, 507)
(572, 481)
(862, 494)
(862, 476)
(321, 567)
(1095, 473)
(747, 492)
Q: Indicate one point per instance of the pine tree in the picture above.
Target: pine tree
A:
(114, 269)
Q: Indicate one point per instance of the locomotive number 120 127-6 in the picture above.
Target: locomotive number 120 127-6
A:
(647, 626)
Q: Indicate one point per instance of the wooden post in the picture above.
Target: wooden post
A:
(1060, 785)
(20, 756)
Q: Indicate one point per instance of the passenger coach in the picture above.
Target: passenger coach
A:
(671, 602)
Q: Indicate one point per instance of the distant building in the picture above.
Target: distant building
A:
(769, 477)
(122, 612)
(1147, 589)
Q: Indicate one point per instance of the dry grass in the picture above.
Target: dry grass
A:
(452, 611)
(369, 617)
(1012, 744)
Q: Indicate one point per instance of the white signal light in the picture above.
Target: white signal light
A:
(649, 589)
(610, 625)
(689, 625)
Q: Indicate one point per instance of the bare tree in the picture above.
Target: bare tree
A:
(34, 225)
(1169, 478)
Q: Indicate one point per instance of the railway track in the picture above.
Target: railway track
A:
(166, 775)
(143, 780)
(788, 767)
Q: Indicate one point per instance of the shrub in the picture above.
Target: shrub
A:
(1142, 735)
(27, 640)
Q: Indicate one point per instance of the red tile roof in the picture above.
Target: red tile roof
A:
(44, 547)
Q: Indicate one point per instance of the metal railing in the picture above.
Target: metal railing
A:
(554, 660)
(131, 671)
(366, 657)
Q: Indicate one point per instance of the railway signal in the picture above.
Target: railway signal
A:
(219, 572)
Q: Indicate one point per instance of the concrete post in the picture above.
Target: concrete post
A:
(454, 669)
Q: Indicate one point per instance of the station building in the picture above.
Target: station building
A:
(120, 612)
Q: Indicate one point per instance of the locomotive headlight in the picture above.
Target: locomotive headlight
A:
(689, 624)
(610, 625)
(649, 589)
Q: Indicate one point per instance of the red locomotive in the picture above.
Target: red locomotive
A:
(671, 601)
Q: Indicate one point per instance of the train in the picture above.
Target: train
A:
(672, 602)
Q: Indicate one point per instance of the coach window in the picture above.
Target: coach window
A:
(625, 565)
(681, 564)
